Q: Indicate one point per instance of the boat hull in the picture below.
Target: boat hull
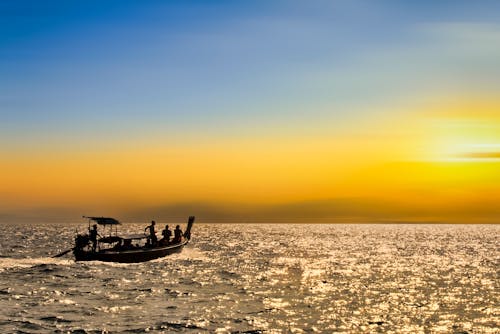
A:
(128, 256)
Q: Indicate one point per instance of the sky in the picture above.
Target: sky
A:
(306, 111)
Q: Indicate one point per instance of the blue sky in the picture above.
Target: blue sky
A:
(79, 68)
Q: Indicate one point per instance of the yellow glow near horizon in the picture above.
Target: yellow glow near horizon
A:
(425, 164)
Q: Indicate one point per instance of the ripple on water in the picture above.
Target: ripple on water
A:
(255, 278)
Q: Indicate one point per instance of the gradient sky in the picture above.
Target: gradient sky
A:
(357, 110)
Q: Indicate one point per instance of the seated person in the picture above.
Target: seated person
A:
(127, 244)
(177, 235)
(118, 245)
(167, 234)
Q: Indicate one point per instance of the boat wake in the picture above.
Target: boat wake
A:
(7, 263)
(188, 254)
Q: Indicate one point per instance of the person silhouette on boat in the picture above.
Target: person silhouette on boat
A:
(93, 237)
(167, 234)
(152, 233)
(177, 235)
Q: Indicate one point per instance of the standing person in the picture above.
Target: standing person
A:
(152, 233)
(177, 234)
(93, 237)
(167, 234)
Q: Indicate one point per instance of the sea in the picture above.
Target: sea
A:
(259, 278)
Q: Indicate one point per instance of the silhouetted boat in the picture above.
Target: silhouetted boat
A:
(115, 248)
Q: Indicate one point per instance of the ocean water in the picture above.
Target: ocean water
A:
(260, 279)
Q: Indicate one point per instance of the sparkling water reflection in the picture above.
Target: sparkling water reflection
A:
(260, 278)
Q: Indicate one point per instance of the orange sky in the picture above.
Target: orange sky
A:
(411, 167)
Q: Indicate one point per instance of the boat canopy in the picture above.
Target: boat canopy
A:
(104, 220)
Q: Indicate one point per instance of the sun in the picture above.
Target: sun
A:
(464, 140)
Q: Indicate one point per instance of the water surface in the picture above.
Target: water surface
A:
(260, 278)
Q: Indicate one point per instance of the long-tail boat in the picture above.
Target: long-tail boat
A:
(124, 249)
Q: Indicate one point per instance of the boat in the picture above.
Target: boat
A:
(124, 249)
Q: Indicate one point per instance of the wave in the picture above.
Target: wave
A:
(55, 319)
(7, 263)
